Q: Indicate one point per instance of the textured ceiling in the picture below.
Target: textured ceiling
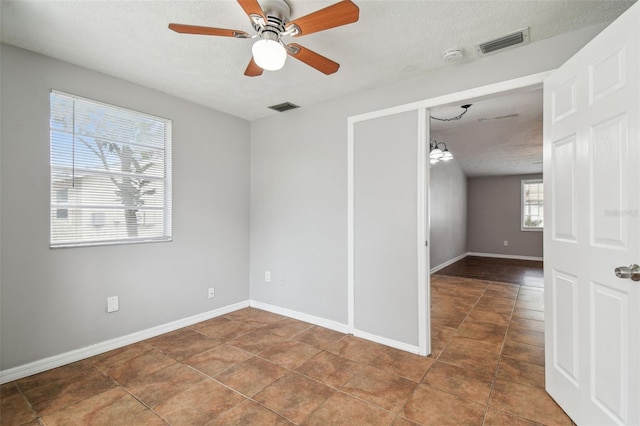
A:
(499, 135)
(392, 40)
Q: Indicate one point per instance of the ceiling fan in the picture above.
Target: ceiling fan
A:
(271, 23)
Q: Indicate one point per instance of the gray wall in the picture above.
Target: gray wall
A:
(299, 176)
(493, 216)
(447, 212)
(386, 227)
(53, 301)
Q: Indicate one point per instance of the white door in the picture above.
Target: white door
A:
(592, 191)
(388, 227)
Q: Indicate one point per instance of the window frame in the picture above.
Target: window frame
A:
(523, 185)
(166, 181)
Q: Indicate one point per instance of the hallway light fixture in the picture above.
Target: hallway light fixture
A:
(438, 152)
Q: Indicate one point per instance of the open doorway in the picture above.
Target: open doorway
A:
(487, 295)
(482, 200)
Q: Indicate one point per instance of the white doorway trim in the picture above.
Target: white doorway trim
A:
(422, 107)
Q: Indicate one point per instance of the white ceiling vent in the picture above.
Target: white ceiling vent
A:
(515, 38)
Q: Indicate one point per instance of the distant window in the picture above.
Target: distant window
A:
(532, 205)
(110, 174)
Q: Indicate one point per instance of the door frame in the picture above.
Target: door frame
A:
(424, 282)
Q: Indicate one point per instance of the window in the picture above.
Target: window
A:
(110, 174)
(532, 205)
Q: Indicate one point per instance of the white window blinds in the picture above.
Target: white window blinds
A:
(532, 205)
(110, 174)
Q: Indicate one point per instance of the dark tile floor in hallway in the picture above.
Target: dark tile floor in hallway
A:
(252, 367)
(515, 271)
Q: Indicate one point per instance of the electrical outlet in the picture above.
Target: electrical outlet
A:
(112, 304)
(212, 293)
(267, 276)
(282, 282)
(506, 243)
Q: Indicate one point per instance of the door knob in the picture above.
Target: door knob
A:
(631, 271)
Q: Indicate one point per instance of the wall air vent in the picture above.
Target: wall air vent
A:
(515, 38)
(284, 107)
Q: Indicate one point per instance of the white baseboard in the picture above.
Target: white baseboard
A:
(448, 262)
(505, 256)
(387, 342)
(45, 364)
(322, 322)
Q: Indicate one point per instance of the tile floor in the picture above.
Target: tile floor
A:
(252, 367)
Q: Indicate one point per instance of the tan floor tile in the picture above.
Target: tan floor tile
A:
(148, 418)
(218, 359)
(330, 369)
(500, 305)
(199, 404)
(184, 344)
(256, 341)
(466, 355)
(122, 354)
(14, 409)
(440, 337)
(429, 406)
(472, 385)
(319, 337)
(222, 328)
(114, 406)
(531, 295)
(527, 324)
(401, 421)
(60, 374)
(145, 364)
(254, 317)
(402, 363)
(498, 418)
(356, 349)
(526, 336)
(251, 376)
(290, 353)
(523, 352)
(344, 409)
(294, 396)
(379, 387)
(249, 413)
(536, 305)
(528, 402)
(521, 372)
(481, 315)
(162, 384)
(447, 318)
(528, 314)
(286, 328)
(55, 395)
(502, 290)
(485, 336)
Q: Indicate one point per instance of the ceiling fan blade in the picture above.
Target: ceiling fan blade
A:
(253, 70)
(345, 12)
(194, 29)
(313, 59)
(251, 7)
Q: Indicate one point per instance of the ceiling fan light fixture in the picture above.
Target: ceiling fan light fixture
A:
(270, 55)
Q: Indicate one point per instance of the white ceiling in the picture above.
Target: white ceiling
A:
(393, 40)
(498, 135)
